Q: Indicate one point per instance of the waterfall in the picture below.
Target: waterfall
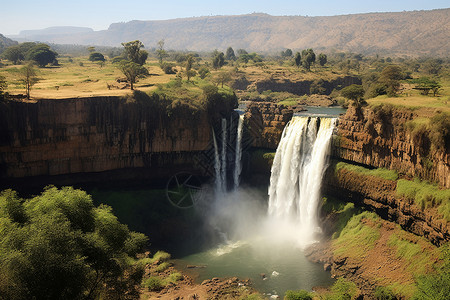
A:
(237, 161)
(298, 167)
(218, 181)
(223, 161)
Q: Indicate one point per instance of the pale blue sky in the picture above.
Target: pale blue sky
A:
(17, 15)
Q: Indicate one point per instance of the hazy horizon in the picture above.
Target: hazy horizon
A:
(100, 14)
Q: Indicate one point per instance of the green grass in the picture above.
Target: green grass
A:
(425, 195)
(357, 238)
(289, 102)
(153, 283)
(162, 267)
(419, 260)
(380, 172)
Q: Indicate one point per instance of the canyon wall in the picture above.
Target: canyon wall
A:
(69, 136)
(378, 138)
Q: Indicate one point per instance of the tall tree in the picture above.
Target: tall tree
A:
(27, 75)
(309, 57)
(298, 59)
(322, 59)
(390, 77)
(230, 54)
(354, 92)
(132, 71)
(287, 53)
(189, 63)
(160, 52)
(218, 61)
(134, 52)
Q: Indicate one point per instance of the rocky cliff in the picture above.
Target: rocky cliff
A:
(265, 123)
(379, 195)
(378, 138)
(55, 137)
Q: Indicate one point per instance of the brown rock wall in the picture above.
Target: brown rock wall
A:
(53, 137)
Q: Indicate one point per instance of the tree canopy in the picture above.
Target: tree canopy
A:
(41, 54)
(96, 56)
(230, 54)
(134, 53)
(132, 71)
(58, 245)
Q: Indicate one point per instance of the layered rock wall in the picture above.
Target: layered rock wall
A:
(378, 138)
(54, 137)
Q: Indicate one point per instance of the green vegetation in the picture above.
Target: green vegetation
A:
(425, 195)
(58, 245)
(157, 283)
(435, 285)
(342, 290)
(297, 295)
(380, 172)
(384, 293)
(357, 237)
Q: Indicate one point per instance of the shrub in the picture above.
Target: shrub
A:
(297, 295)
(168, 68)
(153, 283)
(343, 290)
(162, 267)
(161, 256)
(384, 293)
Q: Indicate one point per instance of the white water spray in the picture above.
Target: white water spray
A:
(296, 176)
(237, 162)
(223, 161)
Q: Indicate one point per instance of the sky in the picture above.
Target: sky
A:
(99, 14)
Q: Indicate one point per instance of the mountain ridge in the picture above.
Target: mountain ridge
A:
(401, 33)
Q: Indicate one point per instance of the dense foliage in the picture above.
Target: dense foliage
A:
(59, 246)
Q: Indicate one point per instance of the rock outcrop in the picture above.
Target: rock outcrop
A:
(69, 136)
(265, 123)
(379, 195)
(379, 139)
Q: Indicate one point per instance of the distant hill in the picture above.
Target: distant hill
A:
(6, 42)
(412, 33)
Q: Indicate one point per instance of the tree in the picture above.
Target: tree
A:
(203, 72)
(58, 245)
(96, 56)
(390, 77)
(298, 59)
(161, 53)
(222, 78)
(91, 49)
(218, 61)
(14, 54)
(42, 55)
(229, 55)
(189, 62)
(27, 75)
(132, 71)
(354, 92)
(309, 57)
(287, 53)
(425, 85)
(322, 59)
(134, 53)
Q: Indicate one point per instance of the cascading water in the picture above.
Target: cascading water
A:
(298, 167)
(223, 162)
(237, 161)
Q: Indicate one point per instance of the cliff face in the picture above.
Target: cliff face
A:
(378, 138)
(379, 195)
(265, 123)
(54, 137)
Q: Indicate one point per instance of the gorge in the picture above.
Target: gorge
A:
(112, 139)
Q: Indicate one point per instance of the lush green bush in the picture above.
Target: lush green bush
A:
(58, 245)
(162, 267)
(384, 293)
(343, 290)
(297, 295)
(153, 283)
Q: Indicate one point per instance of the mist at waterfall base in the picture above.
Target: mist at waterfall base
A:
(259, 234)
